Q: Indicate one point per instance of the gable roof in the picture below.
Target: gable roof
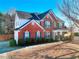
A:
(43, 14)
(22, 25)
(35, 16)
(23, 15)
(28, 23)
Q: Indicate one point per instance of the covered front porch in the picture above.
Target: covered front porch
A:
(57, 34)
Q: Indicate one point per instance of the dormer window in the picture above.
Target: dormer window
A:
(47, 24)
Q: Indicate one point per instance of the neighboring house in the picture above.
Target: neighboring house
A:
(76, 27)
(36, 25)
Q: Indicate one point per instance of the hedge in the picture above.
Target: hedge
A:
(12, 43)
(76, 34)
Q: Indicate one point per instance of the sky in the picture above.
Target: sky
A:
(31, 6)
(28, 5)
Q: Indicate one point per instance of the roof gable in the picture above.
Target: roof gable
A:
(28, 24)
(43, 14)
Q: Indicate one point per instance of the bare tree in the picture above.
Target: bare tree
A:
(1, 24)
(70, 9)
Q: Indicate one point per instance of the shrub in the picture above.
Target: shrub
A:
(12, 43)
(48, 40)
(76, 34)
(39, 40)
(21, 42)
(56, 39)
(28, 41)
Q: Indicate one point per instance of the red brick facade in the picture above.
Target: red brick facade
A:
(46, 23)
(32, 28)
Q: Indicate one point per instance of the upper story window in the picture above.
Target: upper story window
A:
(58, 25)
(54, 23)
(63, 24)
(47, 24)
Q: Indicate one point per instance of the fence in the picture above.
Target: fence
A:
(6, 37)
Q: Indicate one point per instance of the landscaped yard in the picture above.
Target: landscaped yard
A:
(58, 50)
(4, 45)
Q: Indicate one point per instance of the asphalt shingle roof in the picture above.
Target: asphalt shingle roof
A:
(23, 15)
(35, 16)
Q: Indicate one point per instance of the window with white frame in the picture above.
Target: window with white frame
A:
(47, 34)
(54, 23)
(47, 24)
(27, 34)
(38, 34)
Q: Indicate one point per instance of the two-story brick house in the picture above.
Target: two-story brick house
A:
(35, 25)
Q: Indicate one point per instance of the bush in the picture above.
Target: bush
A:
(47, 40)
(76, 34)
(39, 40)
(28, 41)
(20, 42)
(12, 43)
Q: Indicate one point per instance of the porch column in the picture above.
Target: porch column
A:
(53, 35)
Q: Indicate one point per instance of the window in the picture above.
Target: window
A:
(58, 25)
(38, 34)
(47, 34)
(63, 24)
(54, 24)
(27, 34)
(47, 24)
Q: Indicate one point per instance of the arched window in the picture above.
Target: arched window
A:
(38, 34)
(47, 24)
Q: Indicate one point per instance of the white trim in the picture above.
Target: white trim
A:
(34, 22)
(16, 36)
(38, 34)
(59, 30)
